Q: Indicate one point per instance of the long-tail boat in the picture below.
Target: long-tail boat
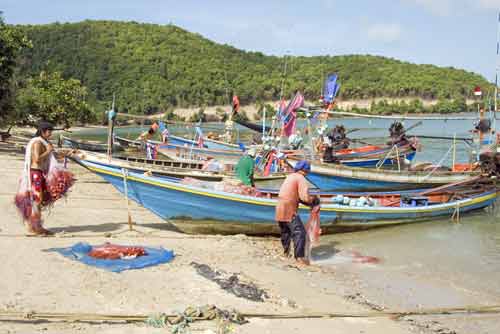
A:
(202, 209)
(87, 145)
(339, 177)
(169, 169)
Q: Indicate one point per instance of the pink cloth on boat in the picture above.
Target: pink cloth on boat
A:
(293, 189)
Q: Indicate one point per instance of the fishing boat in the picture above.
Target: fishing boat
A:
(87, 145)
(366, 156)
(176, 152)
(177, 140)
(200, 209)
(339, 177)
(169, 169)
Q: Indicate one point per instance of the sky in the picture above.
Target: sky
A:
(457, 33)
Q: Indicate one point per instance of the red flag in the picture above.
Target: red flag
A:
(477, 91)
(236, 104)
(290, 114)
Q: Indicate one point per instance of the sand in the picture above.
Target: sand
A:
(36, 280)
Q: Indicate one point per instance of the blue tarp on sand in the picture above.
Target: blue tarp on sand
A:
(80, 250)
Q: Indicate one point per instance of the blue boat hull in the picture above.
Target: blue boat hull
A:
(374, 162)
(339, 183)
(183, 203)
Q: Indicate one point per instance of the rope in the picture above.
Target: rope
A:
(438, 164)
(53, 316)
(381, 163)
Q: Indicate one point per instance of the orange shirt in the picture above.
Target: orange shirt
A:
(293, 189)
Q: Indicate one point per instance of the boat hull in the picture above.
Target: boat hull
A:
(180, 204)
(335, 177)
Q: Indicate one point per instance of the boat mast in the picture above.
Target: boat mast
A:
(111, 125)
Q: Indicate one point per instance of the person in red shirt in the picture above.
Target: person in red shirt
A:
(294, 191)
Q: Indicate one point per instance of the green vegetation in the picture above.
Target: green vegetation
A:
(52, 98)
(154, 68)
(12, 41)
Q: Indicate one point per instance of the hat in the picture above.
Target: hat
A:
(302, 165)
(44, 125)
(251, 152)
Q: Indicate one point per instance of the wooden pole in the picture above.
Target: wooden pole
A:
(111, 124)
(454, 152)
(125, 190)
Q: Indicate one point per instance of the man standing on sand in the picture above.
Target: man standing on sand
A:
(34, 192)
(38, 151)
(293, 191)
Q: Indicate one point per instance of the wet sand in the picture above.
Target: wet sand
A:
(35, 280)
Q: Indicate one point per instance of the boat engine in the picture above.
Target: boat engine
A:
(397, 133)
(336, 140)
(484, 125)
(489, 163)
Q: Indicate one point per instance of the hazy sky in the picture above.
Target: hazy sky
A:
(458, 33)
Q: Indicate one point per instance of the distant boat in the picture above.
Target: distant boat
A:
(196, 209)
(177, 140)
(168, 169)
(87, 145)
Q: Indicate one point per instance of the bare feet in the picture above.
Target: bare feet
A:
(303, 261)
(41, 232)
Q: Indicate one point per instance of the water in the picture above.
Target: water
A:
(376, 130)
(439, 263)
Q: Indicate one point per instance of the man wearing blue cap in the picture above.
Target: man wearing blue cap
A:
(293, 191)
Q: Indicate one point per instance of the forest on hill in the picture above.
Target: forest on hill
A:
(154, 68)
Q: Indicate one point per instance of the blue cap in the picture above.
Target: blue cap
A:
(302, 165)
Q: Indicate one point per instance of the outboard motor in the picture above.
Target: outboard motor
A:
(336, 140)
(489, 163)
(397, 133)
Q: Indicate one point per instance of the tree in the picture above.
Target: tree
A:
(12, 41)
(52, 98)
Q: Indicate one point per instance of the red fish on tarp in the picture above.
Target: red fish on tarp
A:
(113, 252)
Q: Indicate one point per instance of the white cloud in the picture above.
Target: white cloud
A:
(385, 33)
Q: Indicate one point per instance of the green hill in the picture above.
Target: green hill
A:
(155, 67)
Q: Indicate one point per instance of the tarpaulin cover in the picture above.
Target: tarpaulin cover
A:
(80, 251)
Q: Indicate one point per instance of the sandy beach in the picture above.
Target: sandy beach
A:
(36, 280)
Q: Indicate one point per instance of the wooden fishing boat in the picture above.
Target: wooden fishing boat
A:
(169, 169)
(338, 177)
(87, 145)
(185, 153)
(201, 209)
(177, 140)
(367, 156)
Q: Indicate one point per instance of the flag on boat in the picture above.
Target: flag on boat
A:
(332, 87)
(477, 91)
(199, 134)
(289, 114)
(236, 104)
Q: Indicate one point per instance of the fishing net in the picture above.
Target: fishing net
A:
(313, 230)
(59, 180)
(227, 186)
(43, 187)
